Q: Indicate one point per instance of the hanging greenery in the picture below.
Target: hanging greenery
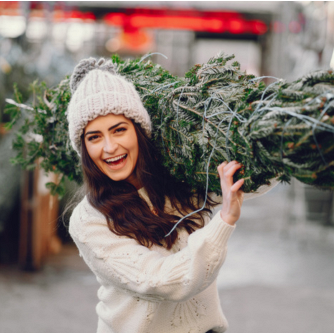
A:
(215, 113)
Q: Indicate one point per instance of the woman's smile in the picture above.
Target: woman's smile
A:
(117, 162)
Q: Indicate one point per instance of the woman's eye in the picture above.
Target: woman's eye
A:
(120, 130)
(92, 138)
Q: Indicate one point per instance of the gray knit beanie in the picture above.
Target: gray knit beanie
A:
(97, 90)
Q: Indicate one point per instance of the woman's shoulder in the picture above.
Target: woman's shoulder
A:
(85, 213)
(85, 210)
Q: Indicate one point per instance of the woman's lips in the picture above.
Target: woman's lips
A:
(118, 164)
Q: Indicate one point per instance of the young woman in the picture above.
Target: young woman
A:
(149, 282)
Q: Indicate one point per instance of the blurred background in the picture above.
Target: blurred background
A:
(279, 273)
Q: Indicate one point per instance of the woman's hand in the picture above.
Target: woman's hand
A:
(232, 196)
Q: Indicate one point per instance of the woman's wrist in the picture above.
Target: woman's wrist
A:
(227, 219)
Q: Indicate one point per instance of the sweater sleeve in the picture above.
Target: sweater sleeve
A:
(147, 273)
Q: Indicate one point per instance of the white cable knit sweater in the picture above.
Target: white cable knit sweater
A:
(153, 290)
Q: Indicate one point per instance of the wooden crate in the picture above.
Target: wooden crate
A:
(39, 216)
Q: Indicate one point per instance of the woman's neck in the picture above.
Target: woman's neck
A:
(134, 181)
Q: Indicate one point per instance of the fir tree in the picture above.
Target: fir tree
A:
(215, 113)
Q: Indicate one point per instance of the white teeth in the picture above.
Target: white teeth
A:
(116, 159)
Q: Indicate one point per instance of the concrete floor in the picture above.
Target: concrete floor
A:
(278, 277)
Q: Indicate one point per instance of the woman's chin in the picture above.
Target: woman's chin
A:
(119, 174)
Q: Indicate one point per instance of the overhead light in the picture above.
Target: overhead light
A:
(136, 41)
(59, 30)
(214, 22)
(78, 33)
(37, 29)
(237, 26)
(12, 26)
(74, 15)
(75, 36)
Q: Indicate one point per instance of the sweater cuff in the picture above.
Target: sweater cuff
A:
(218, 231)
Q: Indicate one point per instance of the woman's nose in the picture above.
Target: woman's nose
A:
(110, 146)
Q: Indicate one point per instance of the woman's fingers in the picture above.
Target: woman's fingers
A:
(225, 167)
(236, 186)
(232, 195)
(230, 165)
(226, 174)
(231, 169)
(221, 167)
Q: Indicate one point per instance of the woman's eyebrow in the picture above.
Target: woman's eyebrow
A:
(112, 127)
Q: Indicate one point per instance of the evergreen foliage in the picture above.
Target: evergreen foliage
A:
(214, 113)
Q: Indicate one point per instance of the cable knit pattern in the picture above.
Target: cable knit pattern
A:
(153, 290)
(98, 91)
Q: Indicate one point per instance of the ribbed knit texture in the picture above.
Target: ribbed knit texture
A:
(98, 92)
(153, 290)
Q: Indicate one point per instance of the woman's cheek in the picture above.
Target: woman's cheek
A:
(93, 150)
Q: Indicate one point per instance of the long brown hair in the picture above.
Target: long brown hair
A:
(127, 213)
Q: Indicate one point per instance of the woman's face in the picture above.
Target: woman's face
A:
(112, 144)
